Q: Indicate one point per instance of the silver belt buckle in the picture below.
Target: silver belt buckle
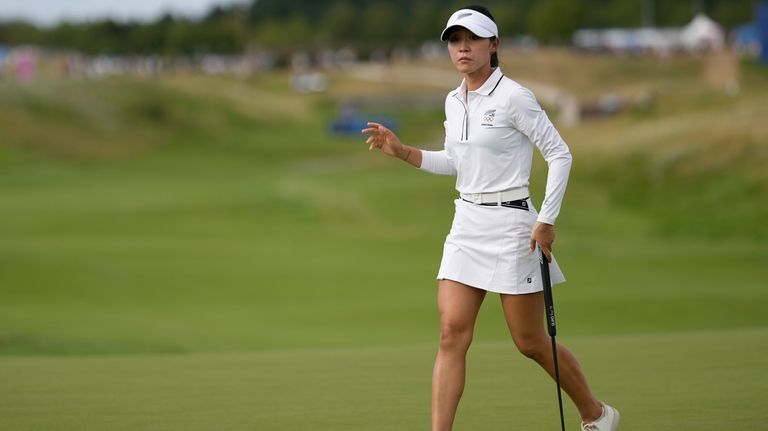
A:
(477, 198)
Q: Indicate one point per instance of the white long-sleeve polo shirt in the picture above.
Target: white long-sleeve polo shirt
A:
(489, 139)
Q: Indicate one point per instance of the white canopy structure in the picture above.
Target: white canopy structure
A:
(702, 34)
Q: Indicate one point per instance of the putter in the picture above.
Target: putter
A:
(549, 306)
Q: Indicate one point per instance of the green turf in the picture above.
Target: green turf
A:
(708, 380)
(230, 260)
(199, 253)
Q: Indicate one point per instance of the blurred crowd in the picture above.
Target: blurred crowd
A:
(22, 64)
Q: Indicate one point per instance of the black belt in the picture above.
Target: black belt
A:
(521, 204)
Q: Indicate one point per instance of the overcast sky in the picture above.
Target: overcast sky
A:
(51, 11)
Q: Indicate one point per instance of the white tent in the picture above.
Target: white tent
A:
(702, 34)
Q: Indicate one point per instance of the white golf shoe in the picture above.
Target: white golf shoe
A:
(608, 421)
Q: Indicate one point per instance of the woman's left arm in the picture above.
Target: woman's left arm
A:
(534, 123)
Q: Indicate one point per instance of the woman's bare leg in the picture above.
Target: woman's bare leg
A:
(525, 318)
(458, 305)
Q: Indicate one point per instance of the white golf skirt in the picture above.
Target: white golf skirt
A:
(488, 248)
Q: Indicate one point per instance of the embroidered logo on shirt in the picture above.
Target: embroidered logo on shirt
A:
(488, 117)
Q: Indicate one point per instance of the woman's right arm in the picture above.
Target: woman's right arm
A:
(411, 155)
(436, 162)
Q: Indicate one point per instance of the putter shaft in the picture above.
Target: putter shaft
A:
(549, 306)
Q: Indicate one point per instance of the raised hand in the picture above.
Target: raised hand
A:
(384, 139)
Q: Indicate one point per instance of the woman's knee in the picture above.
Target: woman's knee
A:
(455, 336)
(535, 348)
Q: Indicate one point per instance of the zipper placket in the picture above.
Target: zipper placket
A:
(465, 123)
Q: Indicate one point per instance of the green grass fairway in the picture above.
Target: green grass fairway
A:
(199, 253)
(702, 381)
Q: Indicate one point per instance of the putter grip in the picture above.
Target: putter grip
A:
(549, 304)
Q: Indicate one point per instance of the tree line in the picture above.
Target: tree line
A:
(285, 26)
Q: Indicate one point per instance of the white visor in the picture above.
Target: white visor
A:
(473, 21)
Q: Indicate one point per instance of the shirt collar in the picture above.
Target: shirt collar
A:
(488, 86)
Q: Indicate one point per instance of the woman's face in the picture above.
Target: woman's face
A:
(469, 52)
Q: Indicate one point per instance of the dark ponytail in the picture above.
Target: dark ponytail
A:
(484, 10)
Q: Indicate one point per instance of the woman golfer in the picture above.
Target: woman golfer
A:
(492, 125)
